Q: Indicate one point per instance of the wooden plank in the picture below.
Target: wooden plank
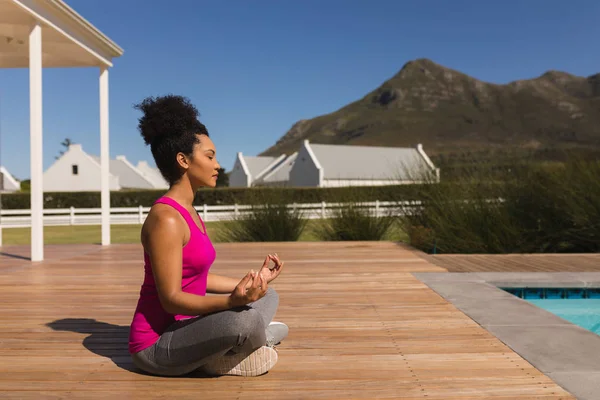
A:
(359, 328)
(516, 262)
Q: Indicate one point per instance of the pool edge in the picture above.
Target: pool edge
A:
(554, 346)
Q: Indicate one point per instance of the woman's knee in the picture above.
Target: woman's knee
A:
(249, 330)
(248, 322)
(272, 295)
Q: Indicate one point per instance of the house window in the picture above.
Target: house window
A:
(75, 169)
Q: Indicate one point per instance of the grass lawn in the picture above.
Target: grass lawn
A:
(72, 234)
(89, 234)
(79, 234)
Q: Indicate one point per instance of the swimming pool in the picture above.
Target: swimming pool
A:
(580, 306)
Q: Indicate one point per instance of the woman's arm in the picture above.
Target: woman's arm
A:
(162, 236)
(219, 284)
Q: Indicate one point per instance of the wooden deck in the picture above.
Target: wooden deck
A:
(361, 327)
(517, 262)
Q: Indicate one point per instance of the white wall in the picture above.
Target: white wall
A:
(238, 176)
(305, 172)
(60, 178)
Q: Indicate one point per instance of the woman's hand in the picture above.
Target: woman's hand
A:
(271, 274)
(250, 289)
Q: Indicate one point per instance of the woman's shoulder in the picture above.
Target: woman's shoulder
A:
(163, 217)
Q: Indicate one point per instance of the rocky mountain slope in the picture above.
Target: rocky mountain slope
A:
(449, 112)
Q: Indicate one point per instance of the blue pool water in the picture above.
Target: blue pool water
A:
(580, 306)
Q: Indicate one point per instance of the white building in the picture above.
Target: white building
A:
(77, 171)
(324, 165)
(8, 183)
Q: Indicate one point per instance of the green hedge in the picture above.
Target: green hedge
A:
(218, 196)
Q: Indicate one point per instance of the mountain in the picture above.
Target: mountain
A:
(450, 112)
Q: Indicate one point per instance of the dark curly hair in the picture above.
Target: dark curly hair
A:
(169, 125)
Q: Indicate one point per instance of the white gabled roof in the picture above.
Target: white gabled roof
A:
(281, 172)
(259, 165)
(129, 176)
(153, 175)
(9, 182)
(369, 162)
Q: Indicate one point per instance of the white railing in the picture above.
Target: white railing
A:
(137, 215)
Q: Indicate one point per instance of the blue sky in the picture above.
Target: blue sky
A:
(254, 68)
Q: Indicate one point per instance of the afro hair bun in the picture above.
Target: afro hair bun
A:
(168, 116)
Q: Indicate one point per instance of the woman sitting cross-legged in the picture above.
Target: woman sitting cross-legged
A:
(176, 327)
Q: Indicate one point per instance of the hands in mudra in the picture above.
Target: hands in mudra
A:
(271, 273)
(254, 285)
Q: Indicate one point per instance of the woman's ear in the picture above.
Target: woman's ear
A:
(182, 161)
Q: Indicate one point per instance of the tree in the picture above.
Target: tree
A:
(65, 143)
(223, 178)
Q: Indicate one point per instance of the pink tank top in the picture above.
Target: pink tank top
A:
(150, 320)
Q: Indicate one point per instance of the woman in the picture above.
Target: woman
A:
(176, 328)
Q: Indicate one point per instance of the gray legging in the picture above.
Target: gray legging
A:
(188, 344)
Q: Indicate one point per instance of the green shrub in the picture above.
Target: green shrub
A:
(353, 222)
(559, 207)
(268, 220)
(543, 208)
(460, 219)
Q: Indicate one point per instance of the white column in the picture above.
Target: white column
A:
(35, 137)
(104, 157)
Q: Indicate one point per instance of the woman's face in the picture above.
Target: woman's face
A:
(203, 167)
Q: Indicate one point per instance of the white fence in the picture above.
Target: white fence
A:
(137, 215)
